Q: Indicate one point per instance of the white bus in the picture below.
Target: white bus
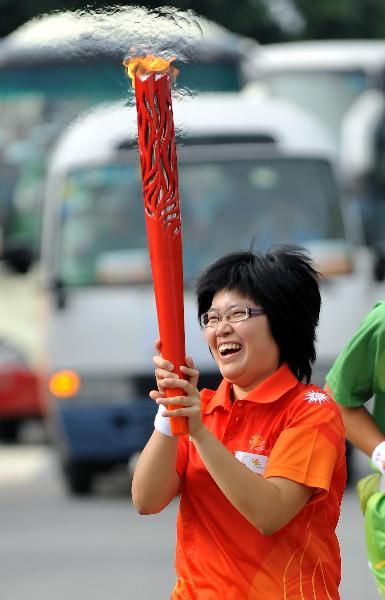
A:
(342, 82)
(324, 77)
(51, 69)
(248, 169)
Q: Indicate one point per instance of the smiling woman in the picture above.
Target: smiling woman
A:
(244, 350)
(262, 472)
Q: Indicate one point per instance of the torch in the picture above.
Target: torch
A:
(151, 77)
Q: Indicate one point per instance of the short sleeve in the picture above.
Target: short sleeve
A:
(311, 447)
(352, 377)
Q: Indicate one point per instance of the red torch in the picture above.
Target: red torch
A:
(151, 77)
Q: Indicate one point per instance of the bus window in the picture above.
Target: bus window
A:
(225, 204)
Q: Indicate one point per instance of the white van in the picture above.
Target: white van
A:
(325, 77)
(248, 169)
(342, 82)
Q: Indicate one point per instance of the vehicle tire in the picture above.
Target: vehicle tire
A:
(9, 431)
(78, 478)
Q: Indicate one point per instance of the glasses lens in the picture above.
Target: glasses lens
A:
(210, 319)
(237, 313)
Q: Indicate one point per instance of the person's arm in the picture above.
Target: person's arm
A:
(156, 482)
(360, 427)
(268, 504)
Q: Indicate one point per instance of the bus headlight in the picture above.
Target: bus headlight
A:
(92, 389)
(64, 384)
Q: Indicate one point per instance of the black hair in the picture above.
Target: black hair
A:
(284, 281)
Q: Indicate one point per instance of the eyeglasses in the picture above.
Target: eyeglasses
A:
(212, 318)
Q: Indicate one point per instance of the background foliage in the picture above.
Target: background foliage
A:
(265, 20)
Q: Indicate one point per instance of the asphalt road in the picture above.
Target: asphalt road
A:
(53, 546)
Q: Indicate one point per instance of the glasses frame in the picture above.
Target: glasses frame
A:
(250, 312)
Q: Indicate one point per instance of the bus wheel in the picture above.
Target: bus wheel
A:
(78, 478)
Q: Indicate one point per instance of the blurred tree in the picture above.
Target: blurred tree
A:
(327, 19)
(265, 20)
(14, 13)
(250, 17)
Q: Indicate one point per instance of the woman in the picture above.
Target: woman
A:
(262, 472)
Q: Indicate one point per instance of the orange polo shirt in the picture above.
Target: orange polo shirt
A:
(283, 428)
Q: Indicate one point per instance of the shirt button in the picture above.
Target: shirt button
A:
(239, 404)
(237, 419)
(230, 436)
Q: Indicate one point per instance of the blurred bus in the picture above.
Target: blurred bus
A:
(325, 77)
(51, 69)
(248, 169)
(343, 83)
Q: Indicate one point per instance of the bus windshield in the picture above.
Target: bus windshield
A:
(225, 205)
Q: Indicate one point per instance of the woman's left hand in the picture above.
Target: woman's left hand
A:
(191, 403)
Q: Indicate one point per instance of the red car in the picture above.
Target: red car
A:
(20, 398)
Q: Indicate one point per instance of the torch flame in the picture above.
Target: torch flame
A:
(142, 66)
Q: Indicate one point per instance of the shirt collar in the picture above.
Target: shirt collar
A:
(269, 390)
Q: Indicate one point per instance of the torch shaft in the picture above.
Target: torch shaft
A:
(157, 148)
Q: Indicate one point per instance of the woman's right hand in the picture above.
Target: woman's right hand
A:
(166, 378)
(163, 369)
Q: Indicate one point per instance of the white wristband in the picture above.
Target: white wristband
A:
(378, 457)
(161, 423)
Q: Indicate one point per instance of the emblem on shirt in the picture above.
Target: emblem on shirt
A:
(255, 462)
(314, 397)
(257, 443)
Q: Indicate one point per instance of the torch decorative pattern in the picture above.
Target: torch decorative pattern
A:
(158, 160)
(158, 151)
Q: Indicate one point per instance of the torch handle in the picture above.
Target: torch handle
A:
(179, 425)
(173, 350)
(158, 160)
(168, 287)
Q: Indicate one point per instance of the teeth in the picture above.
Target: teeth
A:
(223, 348)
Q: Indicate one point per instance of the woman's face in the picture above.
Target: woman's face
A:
(245, 351)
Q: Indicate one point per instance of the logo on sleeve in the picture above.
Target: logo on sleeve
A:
(255, 462)
(314, 397)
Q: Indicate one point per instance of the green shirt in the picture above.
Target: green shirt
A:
(358, 373)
